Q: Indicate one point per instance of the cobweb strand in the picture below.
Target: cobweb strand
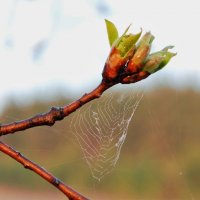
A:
(101, 129)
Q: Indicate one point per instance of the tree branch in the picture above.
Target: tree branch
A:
(69, 192)
(55, 113)
(126, 63)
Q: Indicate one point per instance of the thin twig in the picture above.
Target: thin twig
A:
(55, 113)
(49, 118)
(118, 69)
(69, 192)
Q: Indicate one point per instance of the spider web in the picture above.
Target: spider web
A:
(101, 129)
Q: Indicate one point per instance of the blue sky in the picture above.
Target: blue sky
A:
(59, 42)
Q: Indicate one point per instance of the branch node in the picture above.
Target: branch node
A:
(56, 182)
(27, 166)
(98, 95)
(80, 102)
(18, 153)
(57, 112)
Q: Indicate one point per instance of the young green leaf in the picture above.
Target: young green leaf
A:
(112, 31)
(141, 53)
(156, 61)
(127, 42)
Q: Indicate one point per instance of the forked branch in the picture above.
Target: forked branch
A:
(127, 63)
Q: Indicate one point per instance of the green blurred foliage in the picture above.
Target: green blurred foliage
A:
(160, 158)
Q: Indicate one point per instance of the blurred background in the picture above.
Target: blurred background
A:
(53, 51)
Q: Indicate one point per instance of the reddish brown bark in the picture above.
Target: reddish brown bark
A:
(69, 192)
(124, 69)
(55, 114)
(49, 118)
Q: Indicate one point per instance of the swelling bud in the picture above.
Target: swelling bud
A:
(158, 60)
(141, 53)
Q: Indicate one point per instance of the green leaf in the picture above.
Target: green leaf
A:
(147, 39)
(127, 42)
(126, 30)
(112, 31)
(167, 48)
(117, 42)
(158, 60)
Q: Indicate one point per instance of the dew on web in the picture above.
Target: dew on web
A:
(101, 129)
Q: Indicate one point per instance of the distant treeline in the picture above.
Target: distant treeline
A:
(160, 158)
